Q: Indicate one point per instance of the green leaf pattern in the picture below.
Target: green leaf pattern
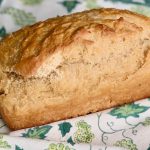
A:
(37, 132)
(64, 128)
(90, 4)
(2, 32)
(31, 2)
(141, 10)
(134, 2)
(128, 110)
(148, 148)
(4, 144)
(70, 141)
(70, 4)
(59, 147)
(1, 1)
(20, 17)
(18, 148)
(146, 122)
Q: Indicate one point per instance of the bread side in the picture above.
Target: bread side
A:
(73, 65)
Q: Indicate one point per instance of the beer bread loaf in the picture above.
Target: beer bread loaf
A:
(73, 65)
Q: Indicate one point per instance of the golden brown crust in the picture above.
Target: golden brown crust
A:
(73, 65)
(24, 51)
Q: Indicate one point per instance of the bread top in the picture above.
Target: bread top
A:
(37, 50)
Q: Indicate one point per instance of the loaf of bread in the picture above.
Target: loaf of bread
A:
(74, 65)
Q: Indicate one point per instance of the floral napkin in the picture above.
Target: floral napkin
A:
(125, 127)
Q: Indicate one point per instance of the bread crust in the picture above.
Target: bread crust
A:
(74, 65)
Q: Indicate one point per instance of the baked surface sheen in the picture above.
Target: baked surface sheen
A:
(73, 65)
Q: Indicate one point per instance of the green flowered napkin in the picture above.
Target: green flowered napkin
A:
(125, 127)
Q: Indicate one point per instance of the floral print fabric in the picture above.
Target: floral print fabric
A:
(125, 127)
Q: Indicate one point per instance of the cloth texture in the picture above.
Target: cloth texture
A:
(125, 127)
